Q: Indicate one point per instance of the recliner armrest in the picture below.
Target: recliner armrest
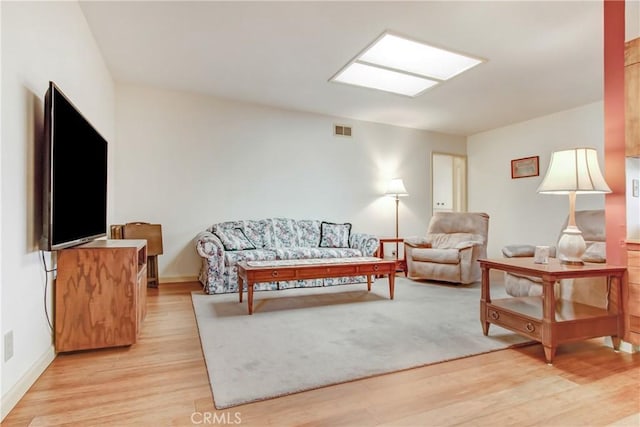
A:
(514, 251)
(468, 244)
(417, 242)
(596, 252)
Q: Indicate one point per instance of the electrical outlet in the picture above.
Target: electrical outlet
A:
(8, 346)
(635, 188)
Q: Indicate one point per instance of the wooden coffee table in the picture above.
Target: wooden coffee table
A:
(253, 272)
(545, 319)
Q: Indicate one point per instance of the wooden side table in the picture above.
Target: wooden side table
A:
(545, 319)
(401, 263)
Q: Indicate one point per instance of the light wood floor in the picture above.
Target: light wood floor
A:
(162, 381)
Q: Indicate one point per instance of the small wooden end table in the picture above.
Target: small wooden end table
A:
(545, 319)
(269, 271)
(401, 263)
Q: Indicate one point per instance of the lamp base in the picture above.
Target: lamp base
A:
(571, 246)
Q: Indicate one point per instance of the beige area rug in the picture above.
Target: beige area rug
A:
(300, 339)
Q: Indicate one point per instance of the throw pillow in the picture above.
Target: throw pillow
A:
(334, 235)
(234, 239)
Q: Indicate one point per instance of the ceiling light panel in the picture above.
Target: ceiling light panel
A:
(402, 54)
(383, 79)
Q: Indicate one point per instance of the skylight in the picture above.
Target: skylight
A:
(399, 65)
(380, 78)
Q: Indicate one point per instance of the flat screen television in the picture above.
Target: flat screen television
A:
(75, 176)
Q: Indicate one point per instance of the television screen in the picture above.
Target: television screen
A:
(75, 191)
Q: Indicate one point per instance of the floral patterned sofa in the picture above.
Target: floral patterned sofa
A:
(225, 244)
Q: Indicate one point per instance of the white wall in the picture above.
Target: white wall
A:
(632, 19)
(187, 161)
(519, 214)
(41, 41)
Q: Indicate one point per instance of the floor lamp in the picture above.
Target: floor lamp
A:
(396, 189)
(573, 172)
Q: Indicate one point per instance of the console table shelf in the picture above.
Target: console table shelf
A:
(565, 310)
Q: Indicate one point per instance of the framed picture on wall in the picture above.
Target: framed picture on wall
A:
(525, 167)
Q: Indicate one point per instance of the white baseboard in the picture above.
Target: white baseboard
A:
(178, 279)
(625, 347)
(13, 396)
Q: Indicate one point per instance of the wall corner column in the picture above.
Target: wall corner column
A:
(614, 138)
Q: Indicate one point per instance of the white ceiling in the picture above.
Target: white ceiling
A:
(542, 57)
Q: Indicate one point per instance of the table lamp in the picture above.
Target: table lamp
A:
(572, 172)
(396, 189)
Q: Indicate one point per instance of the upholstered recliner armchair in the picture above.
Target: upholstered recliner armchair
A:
(450, 250)
(592, 225)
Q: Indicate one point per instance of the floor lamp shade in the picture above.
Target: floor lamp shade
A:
(574, 171)
(396, 188)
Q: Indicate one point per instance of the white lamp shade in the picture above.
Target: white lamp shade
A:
(396, 188)
(575, 170)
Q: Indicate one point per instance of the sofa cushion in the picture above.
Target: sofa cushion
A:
(285, 233)
(440, 256)
(339, 252)
(231, 258)
(234, 239)
(226, 226)
(311, 253)
(308, 233)
(334, 235)
(259, 232)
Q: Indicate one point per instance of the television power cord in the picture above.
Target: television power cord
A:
(46, 285)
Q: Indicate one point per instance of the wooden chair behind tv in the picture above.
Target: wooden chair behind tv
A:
(152, 233)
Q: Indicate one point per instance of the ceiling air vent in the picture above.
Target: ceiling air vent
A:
(342, 130)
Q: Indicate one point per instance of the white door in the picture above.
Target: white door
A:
(449, 182)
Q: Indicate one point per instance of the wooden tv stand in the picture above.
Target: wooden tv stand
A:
(100, 294)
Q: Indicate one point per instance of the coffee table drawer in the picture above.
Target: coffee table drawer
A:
(377, 269)
(274, 275)
(327, 271)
